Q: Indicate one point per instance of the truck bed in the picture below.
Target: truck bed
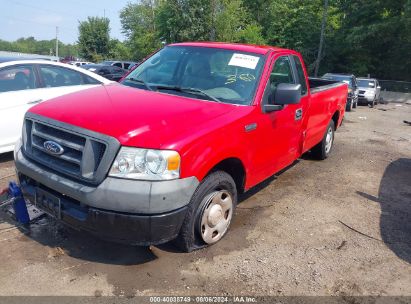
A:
(320, 84)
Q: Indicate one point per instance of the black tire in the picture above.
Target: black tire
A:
(190, 238)
(372, 104)
(348, 106)
(320, 151)
(355, 104)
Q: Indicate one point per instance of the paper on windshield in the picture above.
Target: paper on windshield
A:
(244, 61)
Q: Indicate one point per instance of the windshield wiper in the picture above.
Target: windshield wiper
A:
(188, 90)
(140, 81)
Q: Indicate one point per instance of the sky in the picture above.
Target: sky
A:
(39, 18)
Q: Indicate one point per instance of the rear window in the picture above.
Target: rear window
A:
(366, 83)
(342, 78)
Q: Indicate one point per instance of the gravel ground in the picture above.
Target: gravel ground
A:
(335, 227)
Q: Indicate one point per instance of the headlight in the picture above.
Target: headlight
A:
(146, 164)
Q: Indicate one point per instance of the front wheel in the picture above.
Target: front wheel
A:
(323, 149)
(210, 212)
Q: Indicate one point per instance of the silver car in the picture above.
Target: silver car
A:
(369, 91)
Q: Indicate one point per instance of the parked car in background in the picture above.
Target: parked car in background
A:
(79, 63)
(108, 71)
(68, 59)
(350, 79)
(126, 65)
(369, 91)
(166, 155)
(28, 82)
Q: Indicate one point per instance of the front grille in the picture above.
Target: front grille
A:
(85, 154)
(362, 92)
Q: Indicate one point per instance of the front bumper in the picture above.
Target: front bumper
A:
(131, 211)
(365, 99)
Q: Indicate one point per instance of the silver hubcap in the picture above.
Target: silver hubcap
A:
(216, 216)
(329, 140)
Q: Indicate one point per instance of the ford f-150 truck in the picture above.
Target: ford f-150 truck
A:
(165, 154)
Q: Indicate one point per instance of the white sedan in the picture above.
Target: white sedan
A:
(25, 83)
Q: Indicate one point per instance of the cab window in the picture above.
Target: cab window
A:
(281, 72)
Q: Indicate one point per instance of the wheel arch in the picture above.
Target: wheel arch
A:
(336, 119)
(235, 168)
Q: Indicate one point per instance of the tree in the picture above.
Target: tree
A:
(94, 38)
(40, 47)
(296, 25)
(320, 47)
(252, 34)
(354, 36)
(230, 20)
(119, 50)
(184, 20)
(139, 26)
(374, 38)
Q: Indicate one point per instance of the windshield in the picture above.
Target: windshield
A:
(366, 83)
(346, 79)
(198, 72)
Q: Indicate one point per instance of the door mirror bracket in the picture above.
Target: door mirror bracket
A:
(268, 108)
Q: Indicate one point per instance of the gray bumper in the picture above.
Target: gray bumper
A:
(367, 98)
(120, 195)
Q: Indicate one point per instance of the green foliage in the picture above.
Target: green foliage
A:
(374, 38)
(138, 23)
(94, 38)
(40, 47)
(361, 36)
(252, 34)
(119, 50)
(230, 20)
(183, 20)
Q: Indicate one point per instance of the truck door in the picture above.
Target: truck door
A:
(305, 100)
(282, 129)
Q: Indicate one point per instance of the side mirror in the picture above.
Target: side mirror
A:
(285, 93)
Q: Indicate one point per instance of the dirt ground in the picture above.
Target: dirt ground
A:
(336, 227)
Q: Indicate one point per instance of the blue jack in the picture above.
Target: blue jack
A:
(19, 204)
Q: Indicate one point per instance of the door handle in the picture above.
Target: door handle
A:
(298, 114)
(35, 101)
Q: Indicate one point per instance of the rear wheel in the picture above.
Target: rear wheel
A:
(210, 212)
(323, 149)
(355, 104)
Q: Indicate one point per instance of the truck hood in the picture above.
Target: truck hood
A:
(135, 117)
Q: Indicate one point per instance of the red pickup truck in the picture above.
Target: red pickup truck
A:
(165, 154)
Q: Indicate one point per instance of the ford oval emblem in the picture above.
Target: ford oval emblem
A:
(53, 148)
